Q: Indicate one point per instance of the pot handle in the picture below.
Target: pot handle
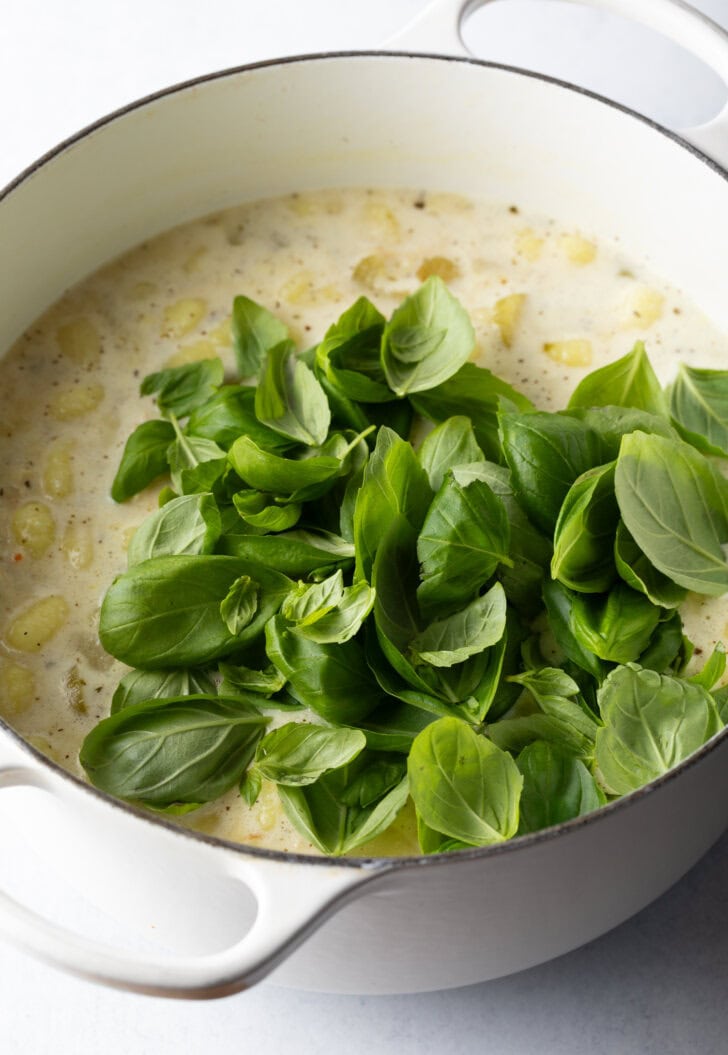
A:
(437, 29)
(293, 900)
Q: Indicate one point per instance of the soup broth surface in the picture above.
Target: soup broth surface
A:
(549, 305)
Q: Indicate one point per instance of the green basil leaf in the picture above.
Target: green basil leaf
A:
(240, 604)
(583, 556)
(251, 786)
(478, 394)
(651, 723)
(393, 484)
(393, 726)
(289, 399)
(546, 453)
(464, 537)
(189, 749)
(675, 506)
(333, 680)
(179, 389)
(349, 355)
(612, 423)
(143, 460)
(328, 612)
(451, 444)
(165, 612)
(699, 408)
(713, 669)
(305, 604)
(616, 626)
(559, 606)
(195, 464)
(255, 331)
(628, 382)
(300, 478)
(428, 338)
(513, 734)
(229, 414)
(138, 686)
(293, 553)
(557, 786)
(186, 525)
(319, 810)
(668, 650)
(265, 513)
(720, 697)
(635, 569)
(465, 633)
(239, 680)
(296, 754)
(463, 785)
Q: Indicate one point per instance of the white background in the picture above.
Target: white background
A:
(658, 984)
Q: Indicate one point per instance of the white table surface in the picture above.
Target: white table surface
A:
(657, 984)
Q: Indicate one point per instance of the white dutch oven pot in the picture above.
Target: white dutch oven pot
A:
(368, 926)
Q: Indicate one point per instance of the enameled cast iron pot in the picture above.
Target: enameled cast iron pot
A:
(234, 914)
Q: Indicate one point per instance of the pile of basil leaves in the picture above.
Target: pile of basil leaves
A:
(487, 621)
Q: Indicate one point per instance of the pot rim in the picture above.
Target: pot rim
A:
(418, 861)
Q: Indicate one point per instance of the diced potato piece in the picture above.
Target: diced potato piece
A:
(143, 290)
(301, 289)
(57, 476)
(529, 244)
(441, 266)
(577, 249)
(382, 273)
(644, 308)
(222, 334)
(191, 353)
(507, 315)
(34, 528)
(570, 353)
(78, 546)
(37, 624)
(74, 401)
(127, 535)
(79, 341)
(183, 316)
(380, 216)
(194, 260)
(17, 688)
(73, 686)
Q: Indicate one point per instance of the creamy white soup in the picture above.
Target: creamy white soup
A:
(549, 304)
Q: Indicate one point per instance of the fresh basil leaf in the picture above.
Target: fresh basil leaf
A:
(138, 686)
(721, 702)
(666, 651)
(628, 382)
(265, 513)
(463, 785)
(530, 551)
(319, 810)
(478, 394)
(699, 408)
(616, 626)
(559, 606)
(251, 786)
(612, 423)
(651, 723)
(303, 479)
(289, 399)
(296, 754)
(635, 569)
(165, 612)
(428, 338)
(295, 553)
(143, 460)
(328, 612)
(186, 525)
(240, 604)
(333, 680)
(451, 444)
(465, 633)
(675, 506)
(583, 556)
(179, 389)
(255, 331)
(393, 726)
(349, 355)
(713, 670)
(464, 537)
(195, 464)
(239, 680)
(513, 734)
(393, 484)
(189, 749)
(432, 842)
(557, 786)
(229, 414)
(546, 453)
